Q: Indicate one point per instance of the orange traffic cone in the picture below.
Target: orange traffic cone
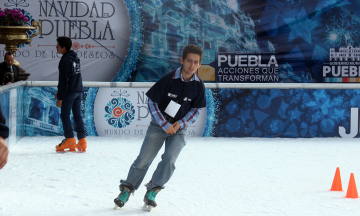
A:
(352, 191)
(336, 185)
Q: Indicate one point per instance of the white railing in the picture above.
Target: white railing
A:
(207, 85)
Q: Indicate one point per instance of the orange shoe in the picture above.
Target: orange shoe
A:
(69, 143)
(82, 144)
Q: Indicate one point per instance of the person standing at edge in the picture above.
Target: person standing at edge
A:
(69, 95)
(175, 102)
(8, 67)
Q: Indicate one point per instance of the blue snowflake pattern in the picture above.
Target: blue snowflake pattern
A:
(294, 96)
(342, 31)
(247, 101)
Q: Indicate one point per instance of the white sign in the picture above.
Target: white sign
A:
(106, 39)
(172, 108)
(124, 112)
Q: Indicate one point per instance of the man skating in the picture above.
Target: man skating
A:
(175, 102)
(69, 95)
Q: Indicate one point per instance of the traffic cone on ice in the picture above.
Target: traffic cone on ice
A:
(352, 191)
(336, 185)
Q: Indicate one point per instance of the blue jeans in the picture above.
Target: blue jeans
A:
(72, 102)
(154, 139)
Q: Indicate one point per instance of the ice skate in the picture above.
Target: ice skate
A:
(123, 197)
(149, 199)
(82, 144)
(69, 143)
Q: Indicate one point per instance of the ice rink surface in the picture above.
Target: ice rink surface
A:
(213, 176)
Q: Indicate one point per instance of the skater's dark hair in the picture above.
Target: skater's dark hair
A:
(64, 42)
(8, 77)
(191, 48)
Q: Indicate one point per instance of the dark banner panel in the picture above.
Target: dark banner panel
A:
(296, 113)
(305, 41)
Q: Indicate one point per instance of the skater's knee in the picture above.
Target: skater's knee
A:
(170, 159)
(140, 165)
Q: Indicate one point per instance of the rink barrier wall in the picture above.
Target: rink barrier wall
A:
(12, 106)
(210, 85)
(233, 110)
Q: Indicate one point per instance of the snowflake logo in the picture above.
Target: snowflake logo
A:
(119, 112)
(342, 31)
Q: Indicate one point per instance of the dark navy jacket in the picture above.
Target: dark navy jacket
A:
(188, 94)
(70, 80)
(4, 130)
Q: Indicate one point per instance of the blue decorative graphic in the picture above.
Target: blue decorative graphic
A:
(295, 54)
(268, 20)
(136, 41)
(320, 54)
(40, 114)
(301, 26)
(282, 109)
(260, 116)
(232, 106)
(326, 5)
(89, 97)
(54, 116)
(37, 108)
(168, 27)
(291, 131)
(295, 114)
(244, 115)
(327, 125)
(274, 93)
(277, 126)
(233, 125)
(342, 30)
(120, 112)
(247, 101)
(318, 113)
(16, 3)
(298, 33)
(263, 102)
(339, 115)
(212, 105)
(305, 129)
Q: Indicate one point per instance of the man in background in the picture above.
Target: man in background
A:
(6, 67)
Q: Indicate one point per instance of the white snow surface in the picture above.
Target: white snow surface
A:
(213, 176)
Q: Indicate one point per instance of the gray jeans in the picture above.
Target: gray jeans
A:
(154, 140)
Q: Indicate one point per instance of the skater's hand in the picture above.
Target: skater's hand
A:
(56, 96)
(170, 130)
(4, 152)
(176, 126)
(58, 103)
